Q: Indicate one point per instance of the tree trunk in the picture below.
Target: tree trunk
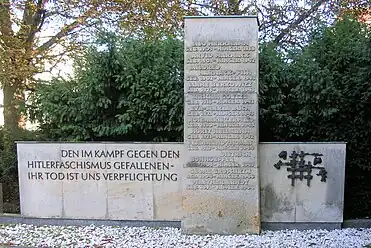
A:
(13, 101)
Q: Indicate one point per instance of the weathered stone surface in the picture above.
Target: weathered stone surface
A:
(130, 200)
(39, 197)
(136, 196)
(117, 181)
(79, 195)
(167, 201)
(320, 201)
(221, 179)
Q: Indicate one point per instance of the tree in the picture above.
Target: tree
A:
(274, 88)
(21, 56)
(357, 8)
(333, 95)
(31, 30)
(285, 23)
(132, 90)
(333, 88)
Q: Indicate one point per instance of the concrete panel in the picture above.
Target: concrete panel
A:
(85, 187)
(321, 201)
(221, 179)
(39, 195)
(129, 196)
(166, 197)
(117, 181)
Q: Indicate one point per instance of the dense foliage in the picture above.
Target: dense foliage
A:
(129, 91)
(324, 94)
(132, 90)
(9, 169)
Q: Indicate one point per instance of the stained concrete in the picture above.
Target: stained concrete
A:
(18, 219)
(87, 194)
(221, 179)
(321, 202)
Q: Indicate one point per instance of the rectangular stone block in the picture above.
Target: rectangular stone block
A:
(116, 181)
(84, 187)
(221, 179)
(135, 195)
(167, 201)
(311, 191)
(39, 196)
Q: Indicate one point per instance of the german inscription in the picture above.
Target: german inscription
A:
(221, 111)
(221, 106)
(130, 181)
(124, 166)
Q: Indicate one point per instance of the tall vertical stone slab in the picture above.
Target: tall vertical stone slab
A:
(221, 179)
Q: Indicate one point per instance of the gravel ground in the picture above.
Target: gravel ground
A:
(108, 236)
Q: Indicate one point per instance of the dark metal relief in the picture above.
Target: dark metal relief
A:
(301, 168)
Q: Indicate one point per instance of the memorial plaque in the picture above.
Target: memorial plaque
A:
(114, 181)
(221, 179)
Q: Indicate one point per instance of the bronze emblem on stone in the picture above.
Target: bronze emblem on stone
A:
(301, 168)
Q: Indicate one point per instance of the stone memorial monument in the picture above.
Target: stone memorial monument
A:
(219, 181)
(100, 180)
(220, 178)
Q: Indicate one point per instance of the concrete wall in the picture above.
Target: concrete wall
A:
(132, 181)
(126, 194)
(319, 202)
